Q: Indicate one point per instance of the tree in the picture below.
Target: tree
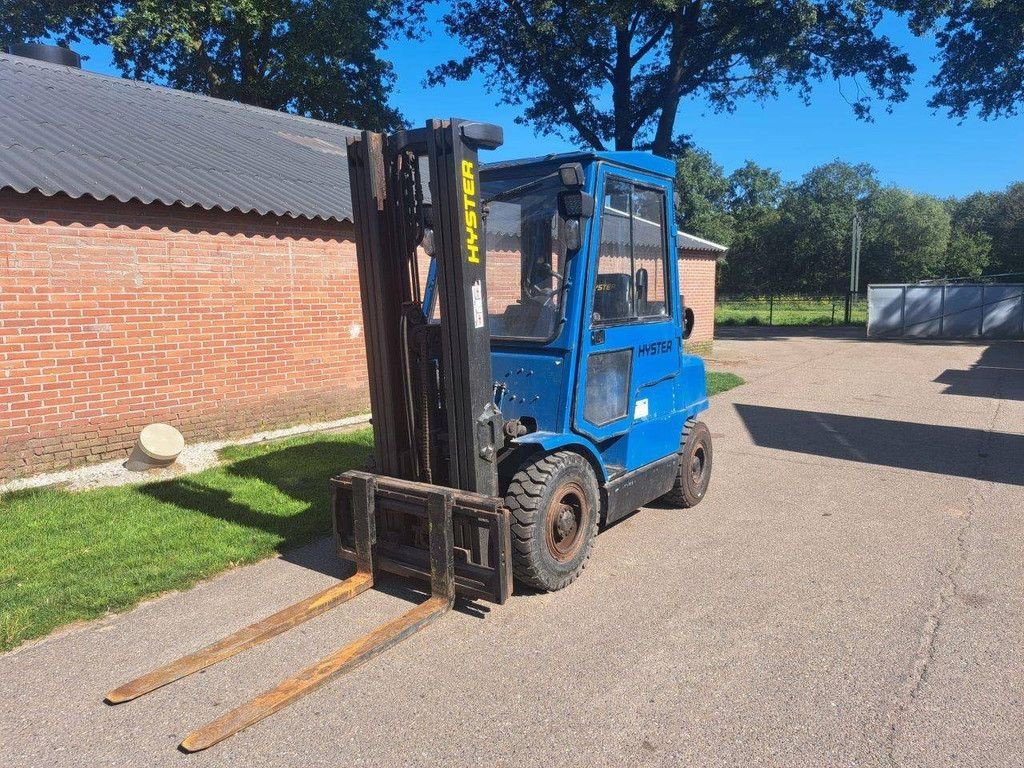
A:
(1008, 231)
(66, 21)
(614, 72)
(704, 193)
(754, 187)
(314, 57)
(905, 237)
(968, 253)
(981, 53)
(972, 220)
(758, 241)
(815, 226)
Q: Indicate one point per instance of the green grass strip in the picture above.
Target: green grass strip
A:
(722, 381)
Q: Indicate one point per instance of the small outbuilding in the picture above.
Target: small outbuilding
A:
(168, 257)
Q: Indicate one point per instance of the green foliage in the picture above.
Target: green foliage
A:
(981, 53)
(754, 188)
(794, 238)
(816, 219)
(967, 254)
(905, 237)
(609, 71)
(66, 21)
(797, 238)
(314, 57)
(1007, 230)
(704, 193)
(753, 206)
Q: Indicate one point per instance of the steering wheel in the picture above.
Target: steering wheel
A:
(544, 295)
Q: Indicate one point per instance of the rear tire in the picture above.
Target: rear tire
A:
(694, 471)
(555, 508)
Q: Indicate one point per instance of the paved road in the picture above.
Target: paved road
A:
(851, 592)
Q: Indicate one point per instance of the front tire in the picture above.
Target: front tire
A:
(555, 508)
(694, 471)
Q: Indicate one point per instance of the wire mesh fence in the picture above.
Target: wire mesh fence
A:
(791, 309)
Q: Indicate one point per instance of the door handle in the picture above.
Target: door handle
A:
(597, 337)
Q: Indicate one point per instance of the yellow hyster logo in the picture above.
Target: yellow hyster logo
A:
(469, 208)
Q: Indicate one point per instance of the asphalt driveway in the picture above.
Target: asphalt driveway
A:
(851, 592)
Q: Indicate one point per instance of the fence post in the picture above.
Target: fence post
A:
(833, 312)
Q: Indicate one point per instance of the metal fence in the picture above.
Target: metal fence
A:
(787, 310)
(953, 311)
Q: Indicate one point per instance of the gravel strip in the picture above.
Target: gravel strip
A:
(194, 458)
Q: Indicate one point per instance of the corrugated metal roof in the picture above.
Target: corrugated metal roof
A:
(688, 242)
(77, 132)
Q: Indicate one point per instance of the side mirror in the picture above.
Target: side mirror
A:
(688, 317)
(574, 205)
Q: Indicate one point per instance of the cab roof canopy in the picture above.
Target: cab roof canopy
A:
(640, 161)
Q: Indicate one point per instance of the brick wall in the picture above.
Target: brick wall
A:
(697, 280)
(115, 315)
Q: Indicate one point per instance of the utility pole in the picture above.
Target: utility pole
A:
(854, 267)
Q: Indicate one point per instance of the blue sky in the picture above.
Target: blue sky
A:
(912, 147)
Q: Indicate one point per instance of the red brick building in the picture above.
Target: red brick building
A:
(170, 257)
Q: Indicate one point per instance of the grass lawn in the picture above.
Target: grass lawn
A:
(68, 556)
(788, 311)
(721, 381)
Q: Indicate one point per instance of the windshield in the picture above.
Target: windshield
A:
(525, 257)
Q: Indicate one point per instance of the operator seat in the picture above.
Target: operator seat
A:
(611, 296)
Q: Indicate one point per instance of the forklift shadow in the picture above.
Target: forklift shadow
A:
(300, 474)
(957, 451)
(298, 479)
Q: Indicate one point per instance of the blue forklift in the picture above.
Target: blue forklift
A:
(524, 328)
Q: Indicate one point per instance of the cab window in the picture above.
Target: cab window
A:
(632, 267)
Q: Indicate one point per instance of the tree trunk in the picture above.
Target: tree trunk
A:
(685, 23)
(662, 145)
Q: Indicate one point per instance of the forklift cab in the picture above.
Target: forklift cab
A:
(586, 313)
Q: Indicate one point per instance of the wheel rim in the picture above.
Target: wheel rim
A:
(698, 466)
(565, 521)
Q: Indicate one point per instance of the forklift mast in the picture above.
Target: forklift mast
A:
(431, 389)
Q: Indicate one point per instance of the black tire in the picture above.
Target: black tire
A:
(555, 509)
(694, 472)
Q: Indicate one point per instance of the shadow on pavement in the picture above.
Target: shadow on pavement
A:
(998, 373)
(972, 453)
